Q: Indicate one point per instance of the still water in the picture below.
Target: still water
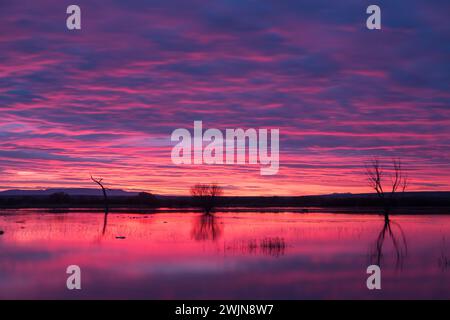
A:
(239, 255)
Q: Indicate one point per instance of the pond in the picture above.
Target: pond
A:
(231, 255)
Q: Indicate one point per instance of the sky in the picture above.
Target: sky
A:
(105, 99)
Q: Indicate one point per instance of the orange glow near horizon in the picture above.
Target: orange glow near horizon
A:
(135, 173)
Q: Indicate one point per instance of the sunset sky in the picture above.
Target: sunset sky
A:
(104, 100)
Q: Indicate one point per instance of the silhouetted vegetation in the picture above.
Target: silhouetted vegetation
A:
(76, 201)
(145, 199)
(105, 198)
(205, 196)
(387, 190)
(362, 202)
(273, 246)
(59, 198)
(268, 246)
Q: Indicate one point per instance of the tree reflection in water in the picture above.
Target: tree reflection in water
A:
(394, 232)
(206, 227)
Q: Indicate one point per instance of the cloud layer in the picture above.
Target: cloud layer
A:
(104, 100)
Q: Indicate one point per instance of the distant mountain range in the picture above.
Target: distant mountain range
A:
(69, 191)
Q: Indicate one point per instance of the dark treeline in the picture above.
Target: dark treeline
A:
(64, 200)
(147, 200)
(409, 199)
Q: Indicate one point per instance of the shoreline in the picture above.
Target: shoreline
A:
(430, 210)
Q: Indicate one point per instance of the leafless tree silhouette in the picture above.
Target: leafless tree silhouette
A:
(387, 192)
(105, 197)
(205, 195)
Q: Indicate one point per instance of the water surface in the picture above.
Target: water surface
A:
(251, 255)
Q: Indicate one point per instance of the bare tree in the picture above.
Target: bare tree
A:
(205, 195)
(377, 181)
(105, 197)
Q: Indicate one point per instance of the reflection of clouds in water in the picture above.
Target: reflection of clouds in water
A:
(315, 253)
(206, 227)
(269, 246)
(18, 255)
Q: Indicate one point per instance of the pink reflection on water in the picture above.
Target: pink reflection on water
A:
(231, 255)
